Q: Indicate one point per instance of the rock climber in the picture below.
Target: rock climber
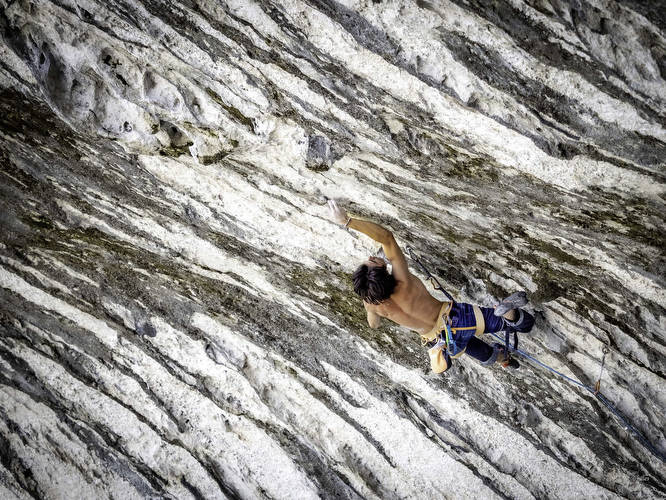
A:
(402, 297)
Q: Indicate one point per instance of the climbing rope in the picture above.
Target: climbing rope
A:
(597, 394)
(626, 425)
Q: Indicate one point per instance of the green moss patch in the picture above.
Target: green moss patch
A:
(234, 112)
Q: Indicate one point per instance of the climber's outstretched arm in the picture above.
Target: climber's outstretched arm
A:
(377, 233)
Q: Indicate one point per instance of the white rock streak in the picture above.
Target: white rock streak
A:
(176, 312)
(33, 294)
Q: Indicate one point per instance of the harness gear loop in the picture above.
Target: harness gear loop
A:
(507, 351)
(507, 345)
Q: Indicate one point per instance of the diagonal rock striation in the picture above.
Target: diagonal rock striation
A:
(176, 311)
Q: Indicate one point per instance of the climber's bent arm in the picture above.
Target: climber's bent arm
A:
(391, 248)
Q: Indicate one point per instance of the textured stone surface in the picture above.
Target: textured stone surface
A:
(176, 312)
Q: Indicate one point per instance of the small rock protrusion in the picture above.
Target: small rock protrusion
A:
(145, 328)
(319, 157)
(226, 357)
(179, 140)
(556, 342)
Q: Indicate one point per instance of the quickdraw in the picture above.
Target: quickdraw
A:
(597, 384)
(507, 345)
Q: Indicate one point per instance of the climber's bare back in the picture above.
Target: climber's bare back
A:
(410, 305)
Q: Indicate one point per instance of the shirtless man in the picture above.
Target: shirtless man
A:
(402, 297)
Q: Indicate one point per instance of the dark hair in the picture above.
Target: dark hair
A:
(373, 284)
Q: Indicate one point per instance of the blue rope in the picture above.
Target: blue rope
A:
(532, 358)
(625, 423)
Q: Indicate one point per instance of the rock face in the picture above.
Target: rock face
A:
(176, 308)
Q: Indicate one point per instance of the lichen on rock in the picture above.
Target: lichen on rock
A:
(176, 308)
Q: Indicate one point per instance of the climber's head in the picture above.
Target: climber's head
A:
(372, 281)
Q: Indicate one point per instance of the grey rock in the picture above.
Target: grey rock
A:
(176, 312)
(319, 153)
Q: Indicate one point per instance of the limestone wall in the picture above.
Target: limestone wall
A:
(176, 312)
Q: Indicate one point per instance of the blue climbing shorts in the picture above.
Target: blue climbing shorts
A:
(463, 322)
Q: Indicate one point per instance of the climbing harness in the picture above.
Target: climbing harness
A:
(443, 347)
(442, 341)
(438, 340)
(595, 391)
